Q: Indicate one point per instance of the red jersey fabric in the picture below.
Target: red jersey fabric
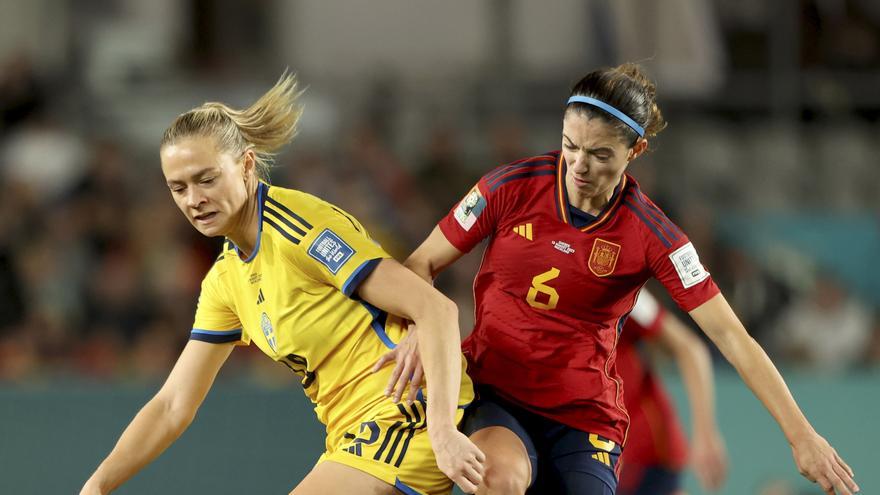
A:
(551, 299)
(656, 437)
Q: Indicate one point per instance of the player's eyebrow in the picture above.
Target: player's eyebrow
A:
(195, 176)
(601, 149)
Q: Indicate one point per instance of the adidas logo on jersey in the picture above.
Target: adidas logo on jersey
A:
(260, 298)
(563, 246)
(524, 230)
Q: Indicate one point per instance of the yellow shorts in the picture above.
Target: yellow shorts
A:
(391, 443)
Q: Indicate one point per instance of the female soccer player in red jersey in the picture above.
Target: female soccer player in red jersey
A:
(656, 452)
(572, 239)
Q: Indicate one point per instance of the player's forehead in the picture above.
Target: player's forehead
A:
(190, 157)
(589, 132)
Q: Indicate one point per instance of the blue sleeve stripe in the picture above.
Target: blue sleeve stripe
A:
(217, 332)
(658, 215)
(649, 224)
(525, 175)
(519, 163)
(282, 231)
(510, 168)
(657, 222)
(378, 324)
(285, 221)
(407, 490)
(287, 210)
(215, 336)
(358, 276)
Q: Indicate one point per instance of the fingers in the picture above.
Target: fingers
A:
(395, 375)
(845, 477)
(402, 377)
(832, 484)
(388, 356)
(465, 485)
(415, 382)
(825, 485)
(471, 474)
(844, 465)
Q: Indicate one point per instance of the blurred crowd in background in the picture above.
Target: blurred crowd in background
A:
(769, 161)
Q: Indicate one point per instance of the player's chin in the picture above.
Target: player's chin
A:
(210, 230)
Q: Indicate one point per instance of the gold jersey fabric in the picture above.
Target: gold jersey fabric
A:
(295, 299)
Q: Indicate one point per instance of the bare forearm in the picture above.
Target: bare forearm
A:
(421, 266)
(151, 431)
(762, 377)
(695, 366)
(440, 348)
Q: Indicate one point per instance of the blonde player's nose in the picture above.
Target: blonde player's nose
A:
(194, 197)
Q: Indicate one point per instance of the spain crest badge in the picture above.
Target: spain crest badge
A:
(603, 257)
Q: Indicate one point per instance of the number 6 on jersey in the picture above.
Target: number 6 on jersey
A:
(539, 287)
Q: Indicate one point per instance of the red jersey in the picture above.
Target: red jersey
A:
(551, 299)
(656, 437)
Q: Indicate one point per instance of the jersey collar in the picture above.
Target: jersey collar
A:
(262, 193)
(561, 198)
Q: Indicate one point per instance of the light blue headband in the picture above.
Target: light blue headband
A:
(608, 108)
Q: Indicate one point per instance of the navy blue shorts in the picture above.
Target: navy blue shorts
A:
(565, 460)
(652, 480)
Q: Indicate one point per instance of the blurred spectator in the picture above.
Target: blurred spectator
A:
(21, 94)
(826, 330)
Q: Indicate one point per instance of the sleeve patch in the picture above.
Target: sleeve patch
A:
(470, 208)
(331, 251)
(687, 264)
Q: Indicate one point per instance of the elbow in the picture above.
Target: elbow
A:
(178, 414)
(439, 308)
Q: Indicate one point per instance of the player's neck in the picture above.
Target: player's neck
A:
(246, 226)
(590, 204)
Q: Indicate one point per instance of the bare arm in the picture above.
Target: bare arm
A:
(395, 289)
(432, 256)
(815, 458)
(164, 418)
(429, 259)
(708, 456)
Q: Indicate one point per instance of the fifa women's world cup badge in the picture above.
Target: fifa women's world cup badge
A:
(603, 257)
(470, 208)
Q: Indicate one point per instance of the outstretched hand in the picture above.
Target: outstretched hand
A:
(709, 459)
(818, 462)
(407, 367)
(459, 459)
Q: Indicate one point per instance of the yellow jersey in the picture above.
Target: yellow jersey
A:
(295, 298)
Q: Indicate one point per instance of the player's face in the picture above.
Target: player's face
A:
(595, 154)
(208, 185)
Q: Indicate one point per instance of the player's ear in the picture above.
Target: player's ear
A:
(249, 164)
(640, 147)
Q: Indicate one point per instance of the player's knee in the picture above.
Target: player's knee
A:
(504, 479)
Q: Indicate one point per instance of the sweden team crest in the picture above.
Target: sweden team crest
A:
(268, 331)
(603, 257)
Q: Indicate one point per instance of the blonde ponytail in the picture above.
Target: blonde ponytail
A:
(265, 127)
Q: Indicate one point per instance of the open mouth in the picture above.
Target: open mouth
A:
(579, 181)
(205, 217)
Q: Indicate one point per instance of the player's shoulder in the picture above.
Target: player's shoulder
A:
(223, 262)
(647, 216)
(525, 173)
(289, 213)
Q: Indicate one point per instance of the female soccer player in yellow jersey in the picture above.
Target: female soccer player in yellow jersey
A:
(302, 280)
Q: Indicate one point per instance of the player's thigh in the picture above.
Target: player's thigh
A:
(331, 477)
(508, 468)
(578, 463)
(511, 457)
